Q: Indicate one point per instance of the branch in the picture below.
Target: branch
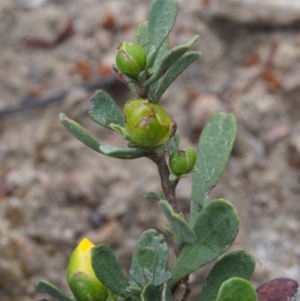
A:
(168, 186)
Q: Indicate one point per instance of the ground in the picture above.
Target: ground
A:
(55, 191)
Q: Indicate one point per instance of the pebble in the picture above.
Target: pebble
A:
(270, 12)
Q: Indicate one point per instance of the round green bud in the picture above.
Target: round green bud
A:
(182, 161)
(131, 58)
(81, 277)
(147, 124)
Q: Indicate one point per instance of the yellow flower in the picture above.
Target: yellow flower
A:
(81, 277)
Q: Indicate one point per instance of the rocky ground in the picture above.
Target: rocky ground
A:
(54, 191)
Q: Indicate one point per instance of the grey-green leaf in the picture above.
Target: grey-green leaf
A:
(150, 239)
(131, 84)
(214, 149)
(108, 270)
(216, 228)
(182, 232)
(238, 263)
(169, 59)
(80, 132)
(152, 195)
(166, 293)
(141, 36)
(162, 17)
(161, 53)
(236, 289)
(124, 153)
(52, 291)
(115, 152)
(173, 144)
(150, 293)
(148, 259)
(134, 291)
(150, 58)
(176, 69)
(104, 110)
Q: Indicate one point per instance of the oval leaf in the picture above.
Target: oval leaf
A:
(141, 36)
(150, 293)
(108, 270)
(150, 239)
(279, 289)
(176, 69)
(214, 148)
(160, 54)
(169, 59)
(182, 232)
(104, 110)
(162, 17)
(173, 144)
(148, 259)
(216, 228)
(166, 293)
(237, 263)
(124, 153)
(80, 133)
(236, 289)
(52, 291)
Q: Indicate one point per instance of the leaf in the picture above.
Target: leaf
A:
(80, 133)
(162, 17)
(131, 84)
(141, 36)
(279, 289)
(169, 59)
(125, 153)
(150, 58)
(163, 50)
(150, 293)
(181, 229)
(176, 69)
(216, 228)
(173, 144)
(52, 291)
(150, 239)
(152, 195)
(148, 259)
(134, 291)
(115, 152)
(214, 148)
(236, 289)
(108, 270)
(166, 294)
(104, 110)
(237, 263)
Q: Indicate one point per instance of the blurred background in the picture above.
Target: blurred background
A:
(54, 191)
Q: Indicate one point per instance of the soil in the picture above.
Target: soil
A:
(55, 191)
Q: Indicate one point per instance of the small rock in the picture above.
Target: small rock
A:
(272, 12)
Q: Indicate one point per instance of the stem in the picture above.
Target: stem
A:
(168, 186)
(182, 289)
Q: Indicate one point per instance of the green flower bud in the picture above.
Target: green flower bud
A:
(147, 124)
(182, 161)
(81, 277)
(131, 58)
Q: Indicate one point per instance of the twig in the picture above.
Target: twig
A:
(168, 186)
(29, 103)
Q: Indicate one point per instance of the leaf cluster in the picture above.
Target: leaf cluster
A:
(213, 224)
